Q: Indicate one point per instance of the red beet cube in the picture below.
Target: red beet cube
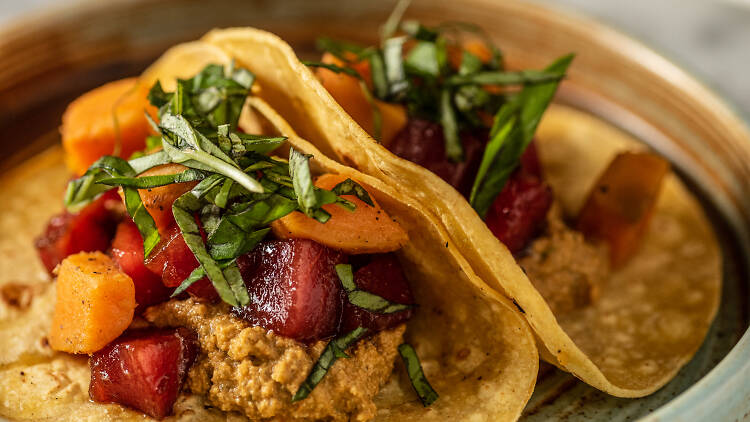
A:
(89, 230)
(127, 252)
(293, 287)
(174, 261)
(384, 277)
(519, 212)
(421, 141)
(530, 161)
(143, 369)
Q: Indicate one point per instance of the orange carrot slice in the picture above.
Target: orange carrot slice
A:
(368, 229)
(95, 303)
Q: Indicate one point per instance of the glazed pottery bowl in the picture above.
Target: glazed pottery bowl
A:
(52, 57)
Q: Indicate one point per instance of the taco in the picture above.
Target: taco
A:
(597, 242)
(229, 270)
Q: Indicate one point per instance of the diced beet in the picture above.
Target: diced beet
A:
(89, 230)
(127, 252)
(421, 141)
(519, 211)
(294, 289)
(530, 161)
(143, 369)
(384, 277)
(175, 261)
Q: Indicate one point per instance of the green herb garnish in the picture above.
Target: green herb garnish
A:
(364, 299)
(240, 190)
(335, 349)
(416, 375)
(426, 83)
(512, 131)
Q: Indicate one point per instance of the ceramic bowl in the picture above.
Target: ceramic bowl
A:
(51, 57)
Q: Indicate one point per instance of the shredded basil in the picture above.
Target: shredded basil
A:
(183, 209)
(453, 94)
(378, 74)
(240, 191)
(394, 67)
(523, 77)
(364, 299)
(299, 171)
(83, 190)
(350, 187)
(423, 59)
(416, 375)
(333, 68)
(147, 182)
(453, 148)
(512, 131)
(335, 349)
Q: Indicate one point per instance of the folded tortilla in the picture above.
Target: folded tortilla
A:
(652, 315)
(476, 349)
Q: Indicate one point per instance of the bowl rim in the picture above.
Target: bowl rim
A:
(728, 377)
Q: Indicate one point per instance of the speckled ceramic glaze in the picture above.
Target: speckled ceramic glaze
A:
(52, 57)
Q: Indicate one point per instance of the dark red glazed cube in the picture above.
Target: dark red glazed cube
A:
(174, 261)
(143, 369)
(421, 141)
(294, 289)
(384, 277)
(519, 212)
(127, 252)
(89, 230)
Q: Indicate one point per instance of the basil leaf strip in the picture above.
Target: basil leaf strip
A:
(512, 131)
(146, 182)
(299, 171)
(81, 191)
(378, 75)
(453, 148)
(190, 150)
(334, 350)
(394, 66)
(333, 68)
(364, 299)
(142, 219)
(233, 293)
(423, 59)
(525, 77)
(350, 187)
(416, 375)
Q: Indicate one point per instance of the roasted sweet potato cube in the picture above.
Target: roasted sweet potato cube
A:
(95, 303)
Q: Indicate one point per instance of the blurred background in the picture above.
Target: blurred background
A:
(708, 38)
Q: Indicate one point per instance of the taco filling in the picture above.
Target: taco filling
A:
(440, 97)
(205, 264)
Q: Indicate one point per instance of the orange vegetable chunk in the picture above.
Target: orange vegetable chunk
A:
(474, 46)
(367, 229)
(346, 90)
(88, 125)
(621, 203)
(158, 201)
(95, 303)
